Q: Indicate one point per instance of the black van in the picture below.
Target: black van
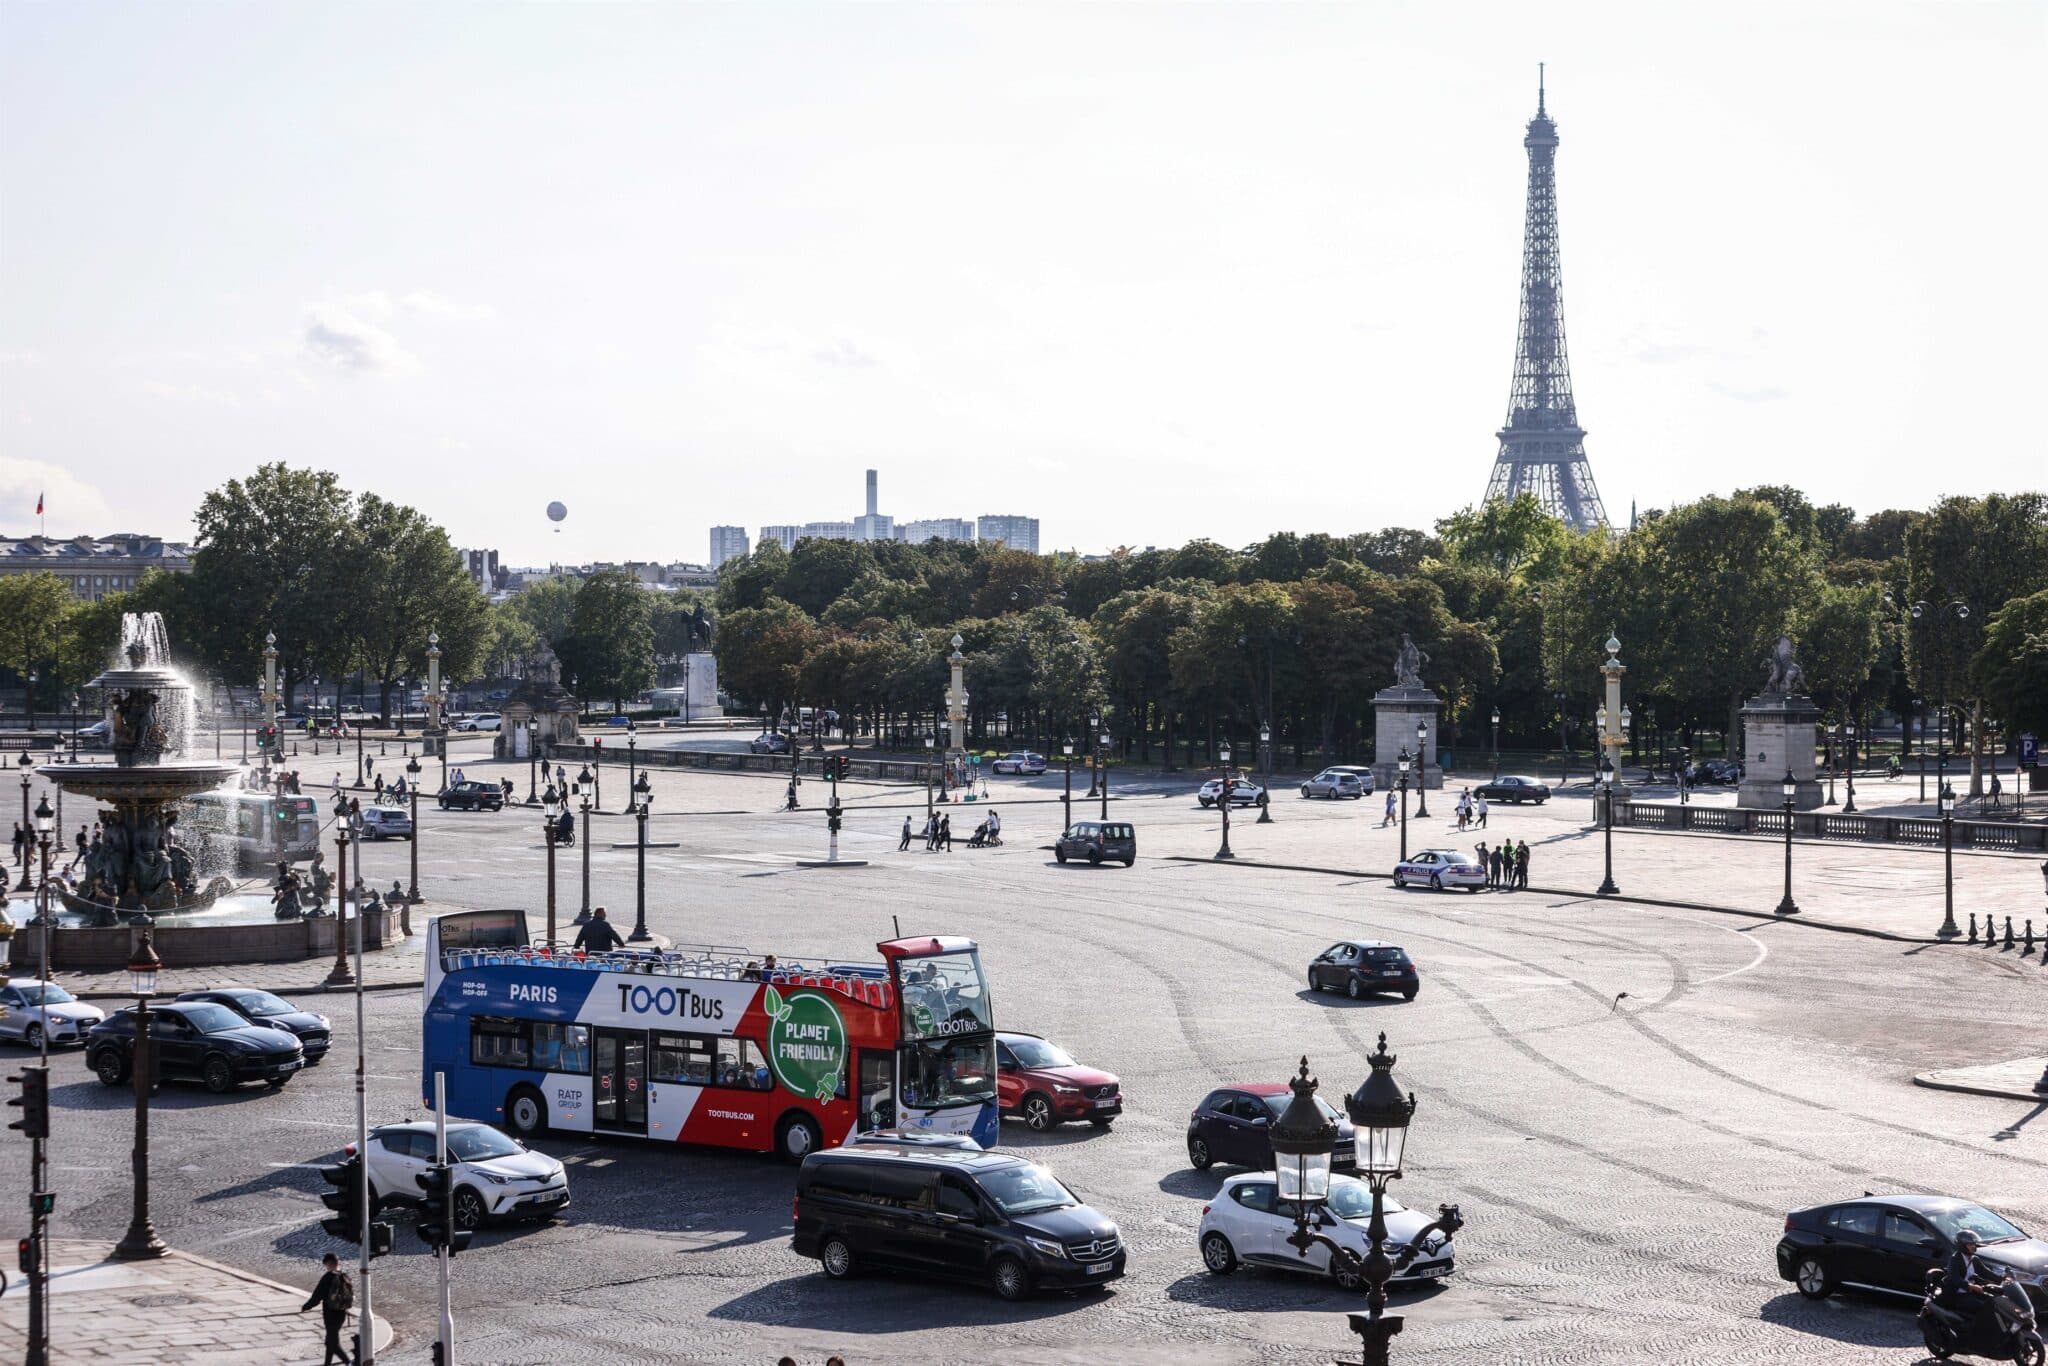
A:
(1098, 840)
(953, 1213)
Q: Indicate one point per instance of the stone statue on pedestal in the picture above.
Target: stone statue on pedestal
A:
(1786, 677)
(1408, 662)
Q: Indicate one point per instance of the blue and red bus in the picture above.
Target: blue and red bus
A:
(705, 1044)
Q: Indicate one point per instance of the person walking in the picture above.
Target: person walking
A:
(20, 839)
(1522, 865)
(1479, 809)
(336, 1295)
(597, 934)
(946, 831)
(79, 857)
(905, 844)
(931, 833)
(1387, 818)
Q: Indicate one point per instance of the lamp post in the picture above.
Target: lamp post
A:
(532, 758)
(550, 806)
(928, 742)
(632, 760)
(1949, 928)
(412, 790)
(1496, 744)
(1266, 759)
(140, 1242)
(1067, 793)
(1849, 743)
(1607, 887)
(1684, 774)
(583, 913)
(341, 975)
(1422, 770)
(1403, 763)
(359, 740)
(593, 773)
(26, 883)
(645, 796)
(270, 697)
(1102, 769)
(1223, 799)
(1303, 1140)
(1920, 746)
(1790, 786)
(1094, 768)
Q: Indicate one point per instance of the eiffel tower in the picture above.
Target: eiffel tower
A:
(1542, 447)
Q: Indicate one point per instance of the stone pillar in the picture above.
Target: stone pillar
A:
(1397, 711)
(1613, 735)
(1778, 734)
(956, 704)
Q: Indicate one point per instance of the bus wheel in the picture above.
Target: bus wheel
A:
(526, 1114)
(797, 1137)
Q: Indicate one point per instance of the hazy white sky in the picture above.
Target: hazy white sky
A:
(1145, 271)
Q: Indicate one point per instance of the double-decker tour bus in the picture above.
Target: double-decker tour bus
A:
(258, 829)
(705, 1044)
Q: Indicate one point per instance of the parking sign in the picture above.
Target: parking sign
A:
(2030, 749)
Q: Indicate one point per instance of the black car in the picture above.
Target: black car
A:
(272, 1012)
(471, 796)
(954, 1214)
(1514, 788)
(195, 1039)
(1097, 841)
(1890, 1242)
(1231, 1125)
(1714, 773)
(1364, 967)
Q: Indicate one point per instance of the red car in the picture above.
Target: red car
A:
(1039, 1082)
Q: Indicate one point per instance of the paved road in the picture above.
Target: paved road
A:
(1624, 1164)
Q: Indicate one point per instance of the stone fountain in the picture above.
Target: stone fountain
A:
(140, 866)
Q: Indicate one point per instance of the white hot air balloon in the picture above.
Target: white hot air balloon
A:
(556, 512)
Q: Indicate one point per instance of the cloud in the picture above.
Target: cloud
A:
(76, 506)
(190, 393)
(844, 353)
(343, 335)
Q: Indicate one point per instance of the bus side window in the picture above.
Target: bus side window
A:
(576, 1048)
(740, 1064)
(495, 1041)
(547, 1046)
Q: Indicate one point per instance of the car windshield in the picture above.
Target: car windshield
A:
(1039, 1053)
(1977, 1219)
(262, 1003)
(479, 1145)
(44, 994)
(1279, 1103)
(1384, 955)
(212, 1019)
(1353, 1200)
(1025, 1190)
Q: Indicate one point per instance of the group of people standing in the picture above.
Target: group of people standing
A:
(1506, 865)
(938, 833)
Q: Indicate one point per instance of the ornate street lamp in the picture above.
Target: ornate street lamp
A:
(341, 975)
(1496, 744)
(1266, 755)
(1102, 768)
(583, 914)
(25, 764)
(1790, 786)
(1223, 798)
(1067, 794)
(1095, 769)
(1303, 1139)
(1422, 770)
(1403, 763)
(928, 742)
(641, 791)
(1849, 740)
(1606, 772)
(141, 1242)
(1949, 929)
(532, 758)
(551, 807)
(412, 790)
(632, 759)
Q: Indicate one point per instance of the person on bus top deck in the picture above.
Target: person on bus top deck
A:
(597, 934)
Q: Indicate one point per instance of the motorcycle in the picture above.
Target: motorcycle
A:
(2006, 1330)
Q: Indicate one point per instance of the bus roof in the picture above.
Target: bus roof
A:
(923, 947)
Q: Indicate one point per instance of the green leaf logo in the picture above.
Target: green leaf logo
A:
(773, 1004)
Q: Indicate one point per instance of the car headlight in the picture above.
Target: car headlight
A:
(1066, 1090)
(1047, 1246)
(495, 1179)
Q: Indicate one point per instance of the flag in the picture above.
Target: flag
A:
(39, 505)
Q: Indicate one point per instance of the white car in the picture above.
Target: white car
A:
(1243, 792)
(487, 720)
(1248, 1224)
(31, 1010)
(1440, 868)
(496, 1176)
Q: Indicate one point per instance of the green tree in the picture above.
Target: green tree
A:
(1513, 540)
(609, 651)
(413, 582)
(546, 608)
(1015, 581)
(749, 580)
(33, 608)
(2011, 671)
(761, 652)
(820, 570)
(1841, 638)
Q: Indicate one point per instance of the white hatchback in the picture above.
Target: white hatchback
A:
(1248, 1224)
(496, 1176)
(33, 1011)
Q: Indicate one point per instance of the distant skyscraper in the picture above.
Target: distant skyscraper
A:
(872, 525)
(784, 536)
(1542, 447)
(727, 543)
(935, 529)
(1018, 533)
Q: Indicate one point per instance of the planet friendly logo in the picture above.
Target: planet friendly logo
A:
(806, 1042)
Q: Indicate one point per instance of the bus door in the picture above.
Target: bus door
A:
(619, 1073)
(876, 1092)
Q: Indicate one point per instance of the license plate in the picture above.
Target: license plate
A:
(1105, 1104)
(1430, 1272)
(1102, 1268)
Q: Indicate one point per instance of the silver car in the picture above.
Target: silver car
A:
(1339, 782)
(29, 1009)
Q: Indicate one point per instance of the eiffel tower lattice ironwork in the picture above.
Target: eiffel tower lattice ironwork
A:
(1542, 447)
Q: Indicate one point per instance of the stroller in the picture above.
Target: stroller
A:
(982, 839)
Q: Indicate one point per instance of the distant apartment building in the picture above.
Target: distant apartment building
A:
(784, 536)
(94, 566)
(482, 566)
(827, 531)
(1018, 533)
(727, 543)
(935, 529)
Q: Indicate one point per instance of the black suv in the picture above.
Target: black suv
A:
(951, 1213)
(473, 796)
(272, 1012)
(1098, 840)
(195, 1039)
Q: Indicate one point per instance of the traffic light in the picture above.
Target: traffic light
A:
(832, 820)
(380, 1237)
(437, 1217)
(346, 1179)
(33, 1102)
(837, 766)
(26, 1250)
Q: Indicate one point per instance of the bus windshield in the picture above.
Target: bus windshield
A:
(942, 1073)
(944, 996)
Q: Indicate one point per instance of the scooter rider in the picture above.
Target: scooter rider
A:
(1966, 1281)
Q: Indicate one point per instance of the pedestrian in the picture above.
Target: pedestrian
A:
(458, 776)
(1482, 858)
(1388, 819)
(19, 837)
(1493, 862)
(946, 831)
(1997, 788)
(337, 783)
(336, 1295)
(1522, 865)
(1479, 808)
(379, 790)
(597, 934)
(82, 847)
(906, 836)
(931, 833)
